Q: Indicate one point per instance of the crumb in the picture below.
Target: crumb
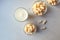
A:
(43, 28)
(39, 21)
(44, 22)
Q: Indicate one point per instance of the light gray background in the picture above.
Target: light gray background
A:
(11, 29)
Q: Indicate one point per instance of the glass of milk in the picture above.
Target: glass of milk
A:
(21, 14)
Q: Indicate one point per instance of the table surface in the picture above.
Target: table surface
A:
(11, 29)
